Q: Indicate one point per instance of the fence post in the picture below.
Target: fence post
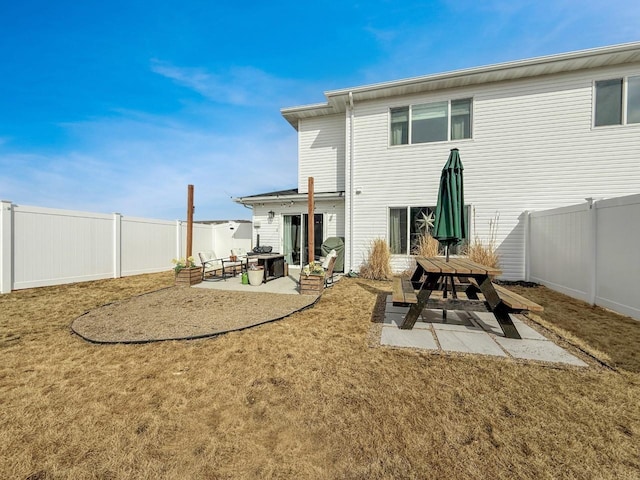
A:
(527, 246)
(592, 251)
(117, 245)
(6, 246)
(179, 253)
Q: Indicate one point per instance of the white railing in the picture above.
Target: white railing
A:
(43, 246)
(589, 252)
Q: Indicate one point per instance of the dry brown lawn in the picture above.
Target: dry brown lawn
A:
(307, 397)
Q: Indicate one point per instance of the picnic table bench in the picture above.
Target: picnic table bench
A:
(403, 292)
(433, 280)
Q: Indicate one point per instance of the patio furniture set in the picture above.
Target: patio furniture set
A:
(261, 266)
(271, 265)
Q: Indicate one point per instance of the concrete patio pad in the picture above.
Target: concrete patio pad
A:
(476, 333)
(407, 338)
(543, 350)
(286, 285)
(469, 342)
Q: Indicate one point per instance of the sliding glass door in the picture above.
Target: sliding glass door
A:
(294, 238)
(291, 236)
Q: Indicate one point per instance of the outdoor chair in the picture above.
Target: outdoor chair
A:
(328, 263)
(212, 266)
(231, 266)
(243, 257)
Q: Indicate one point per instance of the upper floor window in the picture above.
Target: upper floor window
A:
(431, 122)
(611, 107)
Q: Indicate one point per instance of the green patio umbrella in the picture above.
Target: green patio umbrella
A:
(450, 223)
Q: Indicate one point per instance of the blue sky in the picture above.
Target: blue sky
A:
(117, 106)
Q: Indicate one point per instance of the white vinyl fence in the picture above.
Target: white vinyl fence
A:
(43, 246)
(589, 251)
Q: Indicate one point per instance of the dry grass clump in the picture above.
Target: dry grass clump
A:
(305, 398)
(485, 253)
(427, 246)
(378, 263)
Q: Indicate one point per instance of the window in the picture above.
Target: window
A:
(461, 119)
(408, 224)
(400, 126)
(431, 122)
(633, 100)
(398, 230)
(610, 100)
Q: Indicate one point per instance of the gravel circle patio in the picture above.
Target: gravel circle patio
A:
(178, 313)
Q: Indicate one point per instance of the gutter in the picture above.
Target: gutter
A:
(302, 197)
(351, 193)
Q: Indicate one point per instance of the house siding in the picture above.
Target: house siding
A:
(270, 231)
(533, 148)
(321, 147)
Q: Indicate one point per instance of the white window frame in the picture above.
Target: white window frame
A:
(408, 230)
(410, 118)
(624, 100)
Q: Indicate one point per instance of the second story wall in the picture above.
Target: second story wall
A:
(533, 147)
(321, 147)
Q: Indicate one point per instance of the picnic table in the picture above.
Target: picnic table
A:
(458, 284)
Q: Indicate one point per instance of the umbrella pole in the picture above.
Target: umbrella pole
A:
(447, 279)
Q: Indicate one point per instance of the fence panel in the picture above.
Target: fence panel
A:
(51, 247)
(589, 252)
(618, 260)
(147, 245)
(559, 241)
(202, 240)
(43, 246)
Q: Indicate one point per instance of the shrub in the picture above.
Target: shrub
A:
(427, 246)
(482, 253)
(378, 263)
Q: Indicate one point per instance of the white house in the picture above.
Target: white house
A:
(533, 134)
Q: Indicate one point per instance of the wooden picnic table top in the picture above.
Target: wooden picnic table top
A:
(455, 266)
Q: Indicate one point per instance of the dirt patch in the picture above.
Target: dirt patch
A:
(178, 313)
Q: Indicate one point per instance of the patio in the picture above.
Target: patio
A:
(287, 285)
(471, 333)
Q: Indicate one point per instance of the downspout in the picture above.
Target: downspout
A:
(351, 183)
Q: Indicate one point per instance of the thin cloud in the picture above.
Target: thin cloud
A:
(146, 173)
(477, 31)
(244, 86)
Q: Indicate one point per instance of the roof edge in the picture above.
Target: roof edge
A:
(276, 197)
(557, 57)
(338, 100)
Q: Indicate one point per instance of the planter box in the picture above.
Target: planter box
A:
(311, 284)
(189, 276)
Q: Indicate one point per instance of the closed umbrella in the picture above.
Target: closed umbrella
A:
(450, 226)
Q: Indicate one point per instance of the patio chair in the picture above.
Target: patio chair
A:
(231, 266)
(328, 264)
(243, 257)
(212, 266)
